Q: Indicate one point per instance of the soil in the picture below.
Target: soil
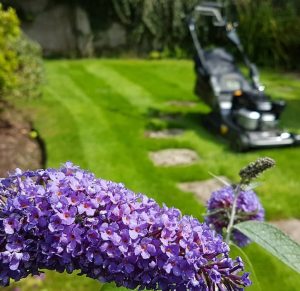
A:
(174, 157)
(20, 147)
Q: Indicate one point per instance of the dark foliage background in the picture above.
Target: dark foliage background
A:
(270, 29)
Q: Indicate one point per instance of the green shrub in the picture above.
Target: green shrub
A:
(30, 71)
(21, 70)
(9, 33)
(154, 55)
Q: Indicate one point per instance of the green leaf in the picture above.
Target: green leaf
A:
(273, 240)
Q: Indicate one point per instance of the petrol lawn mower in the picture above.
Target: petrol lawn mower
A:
(241, 111)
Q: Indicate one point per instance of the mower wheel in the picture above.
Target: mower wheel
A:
(239, 143)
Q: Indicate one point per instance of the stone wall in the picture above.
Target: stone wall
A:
(53, 28)
(64, 30)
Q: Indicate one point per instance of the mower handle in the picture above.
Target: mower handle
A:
(254, 75)
(253, 71)
(212, 4)
(211, 11)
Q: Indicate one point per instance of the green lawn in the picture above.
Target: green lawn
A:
(95, 113)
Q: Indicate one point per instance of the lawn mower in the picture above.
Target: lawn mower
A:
(241, 111)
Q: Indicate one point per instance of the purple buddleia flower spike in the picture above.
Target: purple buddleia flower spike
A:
(219, 208)
(68, 220)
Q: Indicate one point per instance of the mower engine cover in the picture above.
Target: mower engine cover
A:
(254, 110)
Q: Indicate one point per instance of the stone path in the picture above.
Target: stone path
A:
(202, 189)
(289, 226)
(167, 133)
(174, 157)
(170, 116)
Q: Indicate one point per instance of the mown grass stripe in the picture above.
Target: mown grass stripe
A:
(135, 94)
(85, 112)
(176, 82)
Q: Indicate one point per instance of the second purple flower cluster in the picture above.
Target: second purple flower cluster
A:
(219, 208)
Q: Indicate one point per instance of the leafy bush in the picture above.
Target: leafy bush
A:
(21, 69)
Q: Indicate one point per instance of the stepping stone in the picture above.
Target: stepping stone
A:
(286, 88)
(164, 133)
(174, 157)
(170, 116)
(290, 226)
(180, 103)
(202, 189)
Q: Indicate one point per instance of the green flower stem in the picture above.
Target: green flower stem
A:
(233, 212)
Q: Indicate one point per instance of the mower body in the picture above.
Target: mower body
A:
(241, 111)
